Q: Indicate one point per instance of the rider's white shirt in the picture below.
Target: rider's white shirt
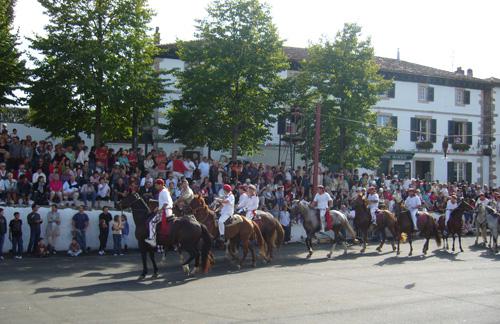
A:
(242, 202)
(322, 200)
(412, 203)
(450, 206)
(164, 198)
(252, 204)
(484, 202)
(228, 207)
(373, 200)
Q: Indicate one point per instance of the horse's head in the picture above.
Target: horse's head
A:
(129, 200)
(197, 202)
(465, 205)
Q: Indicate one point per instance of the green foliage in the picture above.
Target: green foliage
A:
(343, 76)
(12, 67)
(230, 86)
(96, 73)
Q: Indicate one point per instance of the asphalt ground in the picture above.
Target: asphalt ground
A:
(373, 287)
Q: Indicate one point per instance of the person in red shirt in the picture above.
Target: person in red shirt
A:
(178, 167)
(56, 188)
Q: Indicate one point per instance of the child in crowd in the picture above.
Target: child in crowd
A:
(74, 248)
(116, 228)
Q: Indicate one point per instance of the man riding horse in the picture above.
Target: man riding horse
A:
(322, 202)
(227, 209)
(165, 205)
(251, 203)
(413, 203)
(185, 197)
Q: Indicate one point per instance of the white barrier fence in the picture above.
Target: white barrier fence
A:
(65, 227)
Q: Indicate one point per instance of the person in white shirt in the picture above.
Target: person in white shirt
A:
(482, 200)
(373, 201)
(450, 206)
(39, 174)
(242, 202)
(413, 203)
(252, 202)
(322, 202)
(227, 209)
(190, 167)
(204, 168)
(165, 205)
(103, 191)
(71, 190)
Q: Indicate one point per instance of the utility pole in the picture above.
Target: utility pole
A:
(316, 148)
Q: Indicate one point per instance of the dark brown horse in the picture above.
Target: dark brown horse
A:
(271, 230)
(238, 229)
(186, 234)
(204, 215)
(362, 219)
(455, 225)
(386, 220)
(428, 227)
(404, 224)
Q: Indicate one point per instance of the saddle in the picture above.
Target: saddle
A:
(163, 228)
(421, 217)
(235, 219)
(379, 217)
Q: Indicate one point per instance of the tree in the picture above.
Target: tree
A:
(96, 73)
(343, 76)
(12, 67)
(230, 86)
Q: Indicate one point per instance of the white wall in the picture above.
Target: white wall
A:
(65, 237)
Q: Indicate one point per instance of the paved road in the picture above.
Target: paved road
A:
(370, 288)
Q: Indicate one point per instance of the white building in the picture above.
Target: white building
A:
(426, 104)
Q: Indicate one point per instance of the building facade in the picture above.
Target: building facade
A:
(432, 109)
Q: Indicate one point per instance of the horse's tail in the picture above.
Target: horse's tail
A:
(437, 233)
(205, 248)
(351, 231)
(280, 234)
(260, 240)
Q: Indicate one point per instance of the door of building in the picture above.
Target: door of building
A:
(423, 170)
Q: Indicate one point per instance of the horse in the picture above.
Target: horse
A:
(386, 219)
(185, 234)
(240, 229)
(309, 221)
(455, 225)
(311, 225)
(204, 215)
(428, 227)
(363, 218)
(340, 221)
(481, 223)
(271, 230)
(404, 224)
(493, 219)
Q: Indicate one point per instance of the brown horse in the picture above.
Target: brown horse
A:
(185, 234)
(428, 227)
(271, 230)
(204, 215)
(240, 229)
(404, 224)
(454, 226)
(362, 220)
(386, 220)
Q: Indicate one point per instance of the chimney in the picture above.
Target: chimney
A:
(459, 71)
(398, 55)
(469, 73)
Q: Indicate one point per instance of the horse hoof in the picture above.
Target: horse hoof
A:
(397, 253)
(329, 255)
(410, 254)
(142, 277)
(379, 249)
(362, 251)
(238, 267)
(461, 250)
(186, 269)
(309, 255)
(155, 276)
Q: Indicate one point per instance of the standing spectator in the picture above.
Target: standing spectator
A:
(285, 222)
(125, 232)
(116, 228)
(190, 167)
(88, 192)
(3, 231)
(16, 235)
(104, 219)
(34, 221)
(204, 168)
(74, 248)
(80, 224)
(53, 231)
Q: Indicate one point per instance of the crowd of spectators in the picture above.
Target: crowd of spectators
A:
(62, 175)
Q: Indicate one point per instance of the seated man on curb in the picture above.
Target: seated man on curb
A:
(164, 208)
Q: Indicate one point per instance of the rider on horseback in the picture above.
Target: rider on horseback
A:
(164, 208)
(252, 202)
(242, 201)
(186, 195)
(322, 201)
(413, 203)
(373, 200)
(227, 209)
(450, 206)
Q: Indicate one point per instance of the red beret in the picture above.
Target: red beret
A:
(227, 187)
(160, 182)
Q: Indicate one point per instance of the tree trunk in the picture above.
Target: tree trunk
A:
(135, 129)
(234, 148)
(97, 127)
(209, 151)
(342, 146)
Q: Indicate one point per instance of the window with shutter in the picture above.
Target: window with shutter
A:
(391, 93)
(394, 124)
(469, 133)
(451, 172)
(433, 130)
(413, 133)
(451, 131)
(468, 172)
(430, 94)
(466, 97)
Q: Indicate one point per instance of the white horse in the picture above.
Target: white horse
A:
(481, 223)
(492, 218)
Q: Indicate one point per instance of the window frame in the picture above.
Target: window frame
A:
(427, 134)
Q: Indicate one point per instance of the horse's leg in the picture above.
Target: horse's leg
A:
(426, 245)
(185, 267)
(365, 238)
(460, 242)
(245, 245)
(483, 233)
(410, 240)
(252, 250)
(453, 247)
(398, 239)
(144, 265)
(153, 261)
(478, 229)
(309, 246)
(334, 246)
